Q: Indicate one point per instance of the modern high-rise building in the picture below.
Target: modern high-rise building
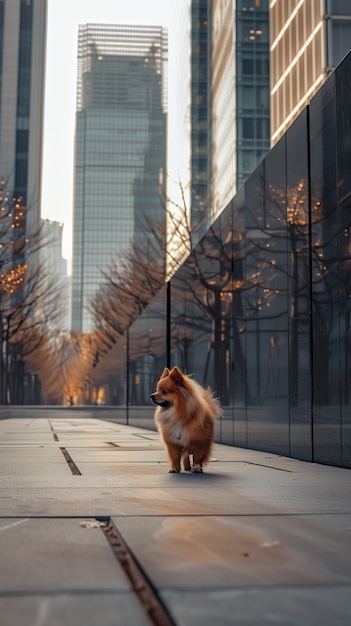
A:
(120, 154)
(308, 38)
(22, 70)
(179, 114)
(189, 127)
(219, 52)
(55, 266)
(240, 94)
(201, 98)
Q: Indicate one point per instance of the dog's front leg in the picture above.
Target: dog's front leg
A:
(174, 453)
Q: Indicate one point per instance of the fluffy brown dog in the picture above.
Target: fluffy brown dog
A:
(185, 418)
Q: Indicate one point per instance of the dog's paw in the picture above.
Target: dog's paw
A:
(197, 469)
(173, 470)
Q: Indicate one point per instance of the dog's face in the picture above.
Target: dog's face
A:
(168, 387)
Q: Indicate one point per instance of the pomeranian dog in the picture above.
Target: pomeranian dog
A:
(185, 418)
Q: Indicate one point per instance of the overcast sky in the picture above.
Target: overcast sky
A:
(64, 16)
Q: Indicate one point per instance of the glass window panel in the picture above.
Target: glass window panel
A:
(339, 7)
(343, 131)
(297, 225)
(341, 40)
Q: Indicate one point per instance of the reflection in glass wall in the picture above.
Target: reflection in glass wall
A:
(343, 259)
(260, 311)
(147, 347)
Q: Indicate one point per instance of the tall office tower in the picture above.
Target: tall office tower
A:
(201, 95)
(179, 118)
(22, 68)
(120, 148)
(219, 124)
(308, 38)
(189, 117)
(55, 266)
(240, 93)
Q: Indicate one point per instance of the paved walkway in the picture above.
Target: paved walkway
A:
(94, 531)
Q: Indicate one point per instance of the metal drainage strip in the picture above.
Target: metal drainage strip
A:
(140, 584)
(55, 436)
(71, 464)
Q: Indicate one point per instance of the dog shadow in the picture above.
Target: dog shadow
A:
(199, 477)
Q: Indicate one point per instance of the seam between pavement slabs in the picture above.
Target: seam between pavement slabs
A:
(141, 585)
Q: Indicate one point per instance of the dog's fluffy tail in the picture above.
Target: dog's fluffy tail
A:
(213, 403)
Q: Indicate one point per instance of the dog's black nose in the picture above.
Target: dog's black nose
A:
(153, 397)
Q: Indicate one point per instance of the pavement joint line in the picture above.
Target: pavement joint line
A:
(53, 517)
(141, 585)
(32, 593)
(265, 587)
(108, 516)
(56, 438)
(279, 469)
(71, 464)
(20, 521)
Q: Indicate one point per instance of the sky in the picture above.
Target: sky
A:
(64, 16)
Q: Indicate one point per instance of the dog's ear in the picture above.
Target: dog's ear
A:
(177, 376)
(165, 373)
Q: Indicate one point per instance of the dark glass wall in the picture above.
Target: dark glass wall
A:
(261, 310)
(343, 133)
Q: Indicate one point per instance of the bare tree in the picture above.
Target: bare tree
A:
(235, 275)
(64, 364)
(27, 300)
(133, 278)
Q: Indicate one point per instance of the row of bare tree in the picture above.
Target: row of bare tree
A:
(39, 362)
(230, 281)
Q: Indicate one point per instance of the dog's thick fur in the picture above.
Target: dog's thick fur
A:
(185, 418)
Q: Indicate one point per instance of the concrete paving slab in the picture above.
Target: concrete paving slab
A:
(86, 609)
(117, 455)
(56, 555)
(40, 465)
(277, 606)
(181, 552)
(27, 442)
(109, 500)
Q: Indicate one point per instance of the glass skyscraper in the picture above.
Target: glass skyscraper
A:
(240, 94)
(120, 148)
(201, 97)
(220, 60)
(22, 68)
(308, 39)
(189, 127)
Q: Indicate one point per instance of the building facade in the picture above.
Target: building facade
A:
(179, 117)
(219, 127)
(22, 69)
(54, 265)
(120, 152)
(189, 120)
(308, 38)
(200, 118)
(240, 94)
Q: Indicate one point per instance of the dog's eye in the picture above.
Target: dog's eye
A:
(164, 391)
